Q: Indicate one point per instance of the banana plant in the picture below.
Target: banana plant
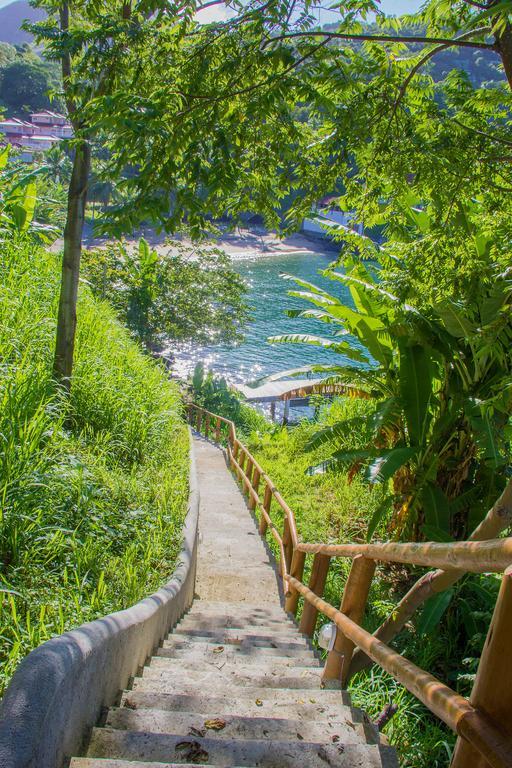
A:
(441, 383)
(18, 199)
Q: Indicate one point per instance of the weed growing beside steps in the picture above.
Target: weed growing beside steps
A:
(90, 514)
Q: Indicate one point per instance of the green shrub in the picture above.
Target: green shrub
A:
(92, 495)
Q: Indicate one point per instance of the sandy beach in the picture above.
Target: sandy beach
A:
(239, 243)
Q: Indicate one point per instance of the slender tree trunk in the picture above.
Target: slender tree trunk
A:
(66, 323)
(504, 43)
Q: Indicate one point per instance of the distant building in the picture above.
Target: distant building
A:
(328, 213)
(37, 135)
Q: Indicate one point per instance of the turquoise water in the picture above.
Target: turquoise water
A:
(268, 298)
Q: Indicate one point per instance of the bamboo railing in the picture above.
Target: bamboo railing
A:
(483, 722)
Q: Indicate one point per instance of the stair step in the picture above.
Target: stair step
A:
(296, 643)
(107, 762)
(237, 655)
(230, 678)
(237, 727)
(258, 702)
(232, 666)
(133, 745)
(266, 635)
(193, 621)
(212, 606)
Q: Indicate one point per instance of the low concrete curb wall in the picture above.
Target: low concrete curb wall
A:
(59, 689)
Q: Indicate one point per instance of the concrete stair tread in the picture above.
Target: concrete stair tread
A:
(237, 639)
(227, 664)
(255, 633)
(235, 726)
(236, 655)
(157, 747)
(187, 680)
(237, 621)
(294, 704)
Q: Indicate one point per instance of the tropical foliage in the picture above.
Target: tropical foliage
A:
(174, 294)
(440, 378)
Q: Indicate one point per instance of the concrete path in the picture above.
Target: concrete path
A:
(234, 563)
(235, 683)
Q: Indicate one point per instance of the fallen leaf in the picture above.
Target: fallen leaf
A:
(129, 704)
(259, 703)
(192, 752)
(219, 649)
(300, 738)
(197, 732)
(215, 724)
(335, 738)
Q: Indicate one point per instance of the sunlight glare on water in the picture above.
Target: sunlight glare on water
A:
(255, 357)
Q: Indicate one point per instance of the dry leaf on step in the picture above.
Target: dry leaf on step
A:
(215, 724)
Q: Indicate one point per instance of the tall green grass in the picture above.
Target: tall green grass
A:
(92, 493)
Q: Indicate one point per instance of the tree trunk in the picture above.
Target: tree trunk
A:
(66, 323)
(504, 42)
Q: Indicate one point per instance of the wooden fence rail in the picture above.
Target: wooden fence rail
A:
(483, 723)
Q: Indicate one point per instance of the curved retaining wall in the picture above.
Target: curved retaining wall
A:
(59, 689)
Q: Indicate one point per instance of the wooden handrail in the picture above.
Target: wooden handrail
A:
(484, 729)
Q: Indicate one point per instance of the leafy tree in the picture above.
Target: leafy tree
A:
(153, 64)
(185, 294)
(24, 86)
(7, 54)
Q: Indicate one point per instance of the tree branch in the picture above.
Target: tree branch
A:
(349, 36)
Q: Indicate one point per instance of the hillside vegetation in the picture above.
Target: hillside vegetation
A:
(92, 492)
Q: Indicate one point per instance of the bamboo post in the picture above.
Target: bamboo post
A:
(198, 420)
(353, 605)
(217, 430)
(256, 475)
(248, 473)
(492, 691)
(267, 501)
(287, 543)
(317, 585)
(297, 571)
(207, 426)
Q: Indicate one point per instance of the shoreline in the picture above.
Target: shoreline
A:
(241, 243)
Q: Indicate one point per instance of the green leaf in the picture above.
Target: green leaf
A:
(437, 510)
(387, 463)
(454, 320)
(377, 517)
(415, 384)
(433, 611)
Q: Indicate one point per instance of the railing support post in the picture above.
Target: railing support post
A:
(199, 418)
(207, 426)
(317, 585)
(492, 691)
(297, 571)
(255, 484)
(287, 544)
(267, 500)
(353, 605)
(217, 430)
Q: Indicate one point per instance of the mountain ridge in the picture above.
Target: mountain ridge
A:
(12, 17)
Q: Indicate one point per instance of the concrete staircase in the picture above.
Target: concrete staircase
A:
(235, 683)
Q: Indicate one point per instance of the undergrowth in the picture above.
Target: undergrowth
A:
(334, 508)
(92, 494)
